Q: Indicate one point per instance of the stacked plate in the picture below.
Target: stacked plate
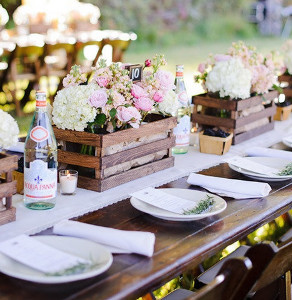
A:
(273, 162)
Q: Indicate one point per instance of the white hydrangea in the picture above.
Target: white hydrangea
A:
(71, 109)
(8, 130)
(230, 78)
(170, 104)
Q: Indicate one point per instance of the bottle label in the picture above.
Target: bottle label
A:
(39, 134)
(183, 98)
(41, 103)
(182, 132)
(179, 74)
(40, 182)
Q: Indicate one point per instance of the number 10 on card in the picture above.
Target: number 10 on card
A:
(135, 72)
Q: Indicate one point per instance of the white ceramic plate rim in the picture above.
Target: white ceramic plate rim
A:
(265, 161)
(219, 205)
(15, 269)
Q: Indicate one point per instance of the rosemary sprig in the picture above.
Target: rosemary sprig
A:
(203, 206)
(76, 269)
(286, 171)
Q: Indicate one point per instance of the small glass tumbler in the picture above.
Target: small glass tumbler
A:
(68, 181)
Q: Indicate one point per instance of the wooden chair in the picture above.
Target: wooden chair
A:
(24, 64)
(222, 287)
(58, 60)
(119, 47)
(269, 277)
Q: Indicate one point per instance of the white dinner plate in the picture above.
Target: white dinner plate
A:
(287, 141)
(219, 205)
(89, 250)
(274, 162)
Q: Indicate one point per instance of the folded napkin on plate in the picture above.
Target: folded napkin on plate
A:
(238, 189)
(267, 152)
(118, 241)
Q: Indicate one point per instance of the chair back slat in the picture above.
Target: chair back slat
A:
(225, 284)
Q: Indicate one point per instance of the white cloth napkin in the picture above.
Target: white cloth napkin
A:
(19, 147)
(267, 152)
(238, 189)
(119, 241)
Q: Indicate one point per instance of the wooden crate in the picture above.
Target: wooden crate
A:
(203, 116)
(8, 163)
(215, 145)
(283, 113)
(96, 169)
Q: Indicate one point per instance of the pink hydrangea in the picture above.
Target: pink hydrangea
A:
(165, 79)
(118, 99)
(158, 96)
(98, 98)
(102, 81)
(138, 91)
(262, 79)
(143, 103)
(129, 115)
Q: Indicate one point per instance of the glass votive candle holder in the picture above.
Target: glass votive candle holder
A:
(68, 181)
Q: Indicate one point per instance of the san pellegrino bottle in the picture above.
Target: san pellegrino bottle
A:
(182, 131)
(40, 159)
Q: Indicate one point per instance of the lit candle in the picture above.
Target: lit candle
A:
(68, 181)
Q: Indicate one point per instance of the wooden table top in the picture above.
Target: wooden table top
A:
(178, 246)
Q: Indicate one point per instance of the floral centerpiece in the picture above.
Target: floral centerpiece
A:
(237, 83)
(239, 73)
(110, 101)
(287, 54)
(114, 129)
(8, 130)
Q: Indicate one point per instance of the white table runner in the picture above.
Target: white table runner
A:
(31, 222)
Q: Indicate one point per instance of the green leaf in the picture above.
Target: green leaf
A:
(100, 119)
(113, 112)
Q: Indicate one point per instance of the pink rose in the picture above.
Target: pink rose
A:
(143, 103)
(222, 57)
(165, 79)
(98, 98)
(129, 115)
(102, 81)
(148, 62)
(202, 68)
(158, 96)
(138, 91)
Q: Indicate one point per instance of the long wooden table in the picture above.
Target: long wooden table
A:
(178, 246)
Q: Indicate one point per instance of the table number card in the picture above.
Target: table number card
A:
(135, 72)
(249, 165)
(38, 255)
(164, 200)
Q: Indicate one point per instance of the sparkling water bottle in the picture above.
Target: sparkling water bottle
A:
(182, 131)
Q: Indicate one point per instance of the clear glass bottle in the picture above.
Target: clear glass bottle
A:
(40, 159)
(182, 131)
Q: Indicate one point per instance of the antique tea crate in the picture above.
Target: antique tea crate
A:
(237, 121)
(8, 163)
(120, 156)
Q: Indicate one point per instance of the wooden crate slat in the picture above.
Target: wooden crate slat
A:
(7, 189)
(252, 133)
(288, 92)
(78, 137)
(137, 152)
(8, 163)
(213, 121)
(208, 101)
(268, 112)
(115, 180)
(8, 215)
(135, 133)
(78, 159)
